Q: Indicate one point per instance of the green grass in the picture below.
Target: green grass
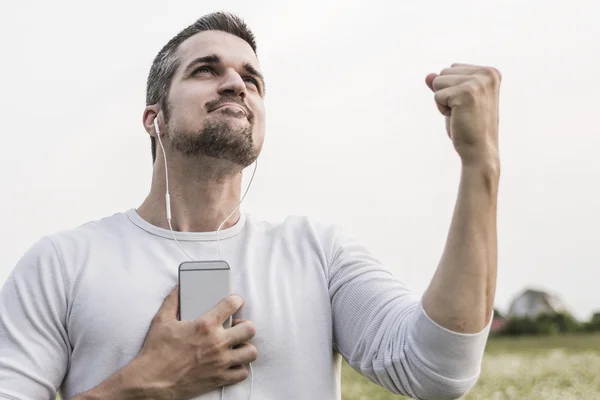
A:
(526, 368)
(536, 368)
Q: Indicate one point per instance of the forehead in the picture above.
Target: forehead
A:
(233, 50)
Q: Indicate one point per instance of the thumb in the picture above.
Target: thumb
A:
(170, 306)
(429, 81)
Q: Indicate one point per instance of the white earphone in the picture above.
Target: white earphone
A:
(168, 209)
(156, 126)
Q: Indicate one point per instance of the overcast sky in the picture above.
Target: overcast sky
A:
(353, 135)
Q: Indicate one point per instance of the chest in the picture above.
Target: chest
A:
(114, 302)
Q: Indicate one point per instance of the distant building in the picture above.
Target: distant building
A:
(532, 303)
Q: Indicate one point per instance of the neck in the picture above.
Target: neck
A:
(203, 193)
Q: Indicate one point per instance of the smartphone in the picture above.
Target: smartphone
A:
(202, 284)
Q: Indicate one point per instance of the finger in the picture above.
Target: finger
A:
(243, 355)
(445, 81)
(459, 71)
(441, 82)
(443, 109)
(463, 65)
(445, 97)
(170, 306)
(236, 374)
(236, 321)
(240, 333)
(224, 309)
(429, 80)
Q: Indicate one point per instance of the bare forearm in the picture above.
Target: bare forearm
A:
(125, 384)
(461, 294)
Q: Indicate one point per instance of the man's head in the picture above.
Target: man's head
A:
(206, 86)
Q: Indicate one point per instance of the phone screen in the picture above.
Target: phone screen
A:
(202, 284)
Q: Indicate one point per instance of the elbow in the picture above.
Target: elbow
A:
(446, 390)
(421, 382)
(445, 364)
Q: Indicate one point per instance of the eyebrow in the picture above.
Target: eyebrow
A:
(215, 59)
(210, 59)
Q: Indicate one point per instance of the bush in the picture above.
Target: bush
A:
(519, 326)
(594, 324)
(544, 324)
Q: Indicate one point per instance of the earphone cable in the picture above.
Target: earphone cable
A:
(168, 210)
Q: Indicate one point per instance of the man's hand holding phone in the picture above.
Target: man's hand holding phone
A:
(184, 359)
(188, 358)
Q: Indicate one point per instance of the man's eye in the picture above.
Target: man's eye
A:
(203, 69)
(251, 80)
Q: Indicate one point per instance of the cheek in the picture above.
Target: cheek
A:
(259, 117)
(188, 103)
(187, 118)
(259, 125)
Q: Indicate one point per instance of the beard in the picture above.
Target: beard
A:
(220, 140)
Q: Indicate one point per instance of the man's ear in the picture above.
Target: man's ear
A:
(150, 114)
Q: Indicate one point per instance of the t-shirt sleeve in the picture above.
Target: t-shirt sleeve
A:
(34, 346)
(382, 331)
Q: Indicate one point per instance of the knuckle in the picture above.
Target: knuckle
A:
(478, 84)
(474, 88)
(493, 74)
(210, 354)
(233, 301)
(439, 97)
(216, 345)
(203, 326)
(497, 76)
(222, 362)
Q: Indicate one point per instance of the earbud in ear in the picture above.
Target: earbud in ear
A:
(156, 126)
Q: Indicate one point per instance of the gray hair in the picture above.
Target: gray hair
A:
(166, 62)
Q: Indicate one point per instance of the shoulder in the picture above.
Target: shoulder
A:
(295, 226)
(51, 249)
(93, 231)
(302, 233)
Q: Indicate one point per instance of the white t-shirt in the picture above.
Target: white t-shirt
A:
(78, 305)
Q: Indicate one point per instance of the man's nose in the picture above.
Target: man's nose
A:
(232, 84)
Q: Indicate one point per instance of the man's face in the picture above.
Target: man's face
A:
(215, 103)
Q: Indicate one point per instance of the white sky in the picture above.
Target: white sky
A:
(353, 135)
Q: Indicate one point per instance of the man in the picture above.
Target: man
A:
(93, 311)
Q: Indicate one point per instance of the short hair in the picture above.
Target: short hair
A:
(166, 62)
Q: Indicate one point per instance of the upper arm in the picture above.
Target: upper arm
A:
(34, 346)
(368, 302)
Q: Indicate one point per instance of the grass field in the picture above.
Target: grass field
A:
(546, 368)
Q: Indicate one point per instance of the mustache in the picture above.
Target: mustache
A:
(211, 105)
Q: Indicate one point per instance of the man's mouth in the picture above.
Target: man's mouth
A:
(232, 105)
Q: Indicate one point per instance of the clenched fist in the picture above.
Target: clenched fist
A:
(468, 95)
